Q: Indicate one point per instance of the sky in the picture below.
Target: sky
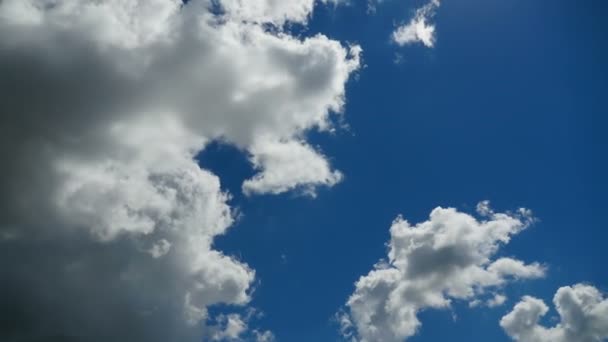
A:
(369, 171)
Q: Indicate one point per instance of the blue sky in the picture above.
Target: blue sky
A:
(224, 170)
(508, 106)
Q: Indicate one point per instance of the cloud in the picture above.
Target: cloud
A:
(286, 165)
(230, 328)
(235, 327)
(264, 336)
(497, 300)
(271, 11)
(418, 29)
(372, 6)
(448, 257)
(107, 222)
(583, 312)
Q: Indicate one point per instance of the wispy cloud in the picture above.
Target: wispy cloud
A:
(419, 29)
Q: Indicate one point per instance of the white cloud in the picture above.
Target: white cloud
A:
(160, 248)
(448, 257)
(104, 107)
(235, 327)
(372, 6)
(483, 208)
(493, 302)
(230, 328)
(583, 312)
(286, 165)
(419, 29)
(273, 11)
(498, 300)
(263, 336)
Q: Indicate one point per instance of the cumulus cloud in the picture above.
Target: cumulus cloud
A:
(263, 336)
(230, 328)
(107, 221)
(235, 327)
(419, 28)
(448, 257)
(583, 312)
(286, 165)
(271, 11)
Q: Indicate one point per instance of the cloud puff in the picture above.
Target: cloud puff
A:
(272, 11)
(497, 300)
(232, 327)
(235, 327)
(583, 315)
(107, 222)
(449, 256)
(287, 165)
(264, 336)
(418, 29)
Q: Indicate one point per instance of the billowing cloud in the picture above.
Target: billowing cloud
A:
(583, 312)
(107, 222)
(448, 257)
(419, 28)
(272, 11)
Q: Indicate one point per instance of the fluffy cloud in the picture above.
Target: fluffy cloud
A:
(418, 29)
(449, 256)
(582, 309)
(107, 221)
(286, 165)
(264, 336)
(273, 11)
(230, 328)
(235, 327)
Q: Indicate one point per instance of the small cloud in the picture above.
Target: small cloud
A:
(498, 300)
(160, 248)
(263, 336)
(419, 29)
(483, 209)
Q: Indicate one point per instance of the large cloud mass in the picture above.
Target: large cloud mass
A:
(582, 309)
(449, 256)
(106, 221)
